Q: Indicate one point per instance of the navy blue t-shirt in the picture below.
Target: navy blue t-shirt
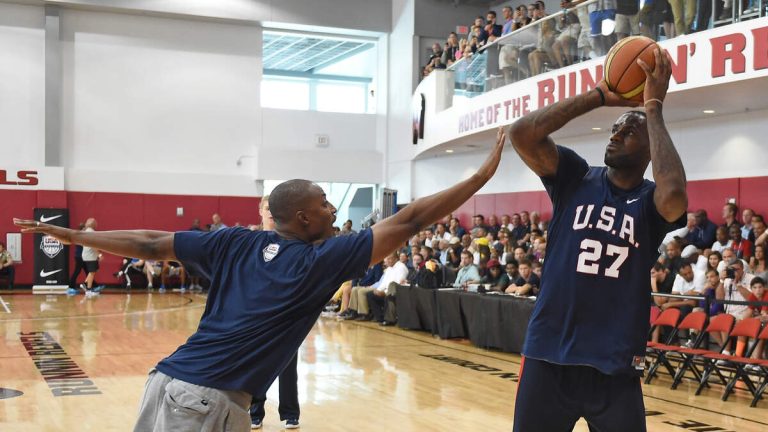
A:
(266, 294)
(593, 305)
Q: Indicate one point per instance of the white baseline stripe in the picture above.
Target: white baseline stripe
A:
(5, 305)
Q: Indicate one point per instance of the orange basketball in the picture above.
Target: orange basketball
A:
(622, 73)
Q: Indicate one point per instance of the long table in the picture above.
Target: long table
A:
(487, 320)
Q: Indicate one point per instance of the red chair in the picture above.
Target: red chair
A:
(722, 323)
(749, 328)
(743, 374)
(668, 318)
(694, 321)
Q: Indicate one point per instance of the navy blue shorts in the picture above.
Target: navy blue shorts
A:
(552, 398)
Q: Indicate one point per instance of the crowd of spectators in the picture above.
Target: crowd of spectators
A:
(498, 254)
(725, 262)
(578, 33)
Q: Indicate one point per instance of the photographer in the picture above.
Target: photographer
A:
(735, 286)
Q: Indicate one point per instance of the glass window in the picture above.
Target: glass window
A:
(285, 94)
(341, 97)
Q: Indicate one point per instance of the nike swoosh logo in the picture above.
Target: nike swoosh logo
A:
(44, 219)
(632, 200)
(44, 273)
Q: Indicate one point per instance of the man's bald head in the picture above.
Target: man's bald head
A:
(289, 197)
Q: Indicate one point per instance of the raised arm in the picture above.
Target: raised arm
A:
(393, 231)
(530, 134)
(670, 196)
(143, 244)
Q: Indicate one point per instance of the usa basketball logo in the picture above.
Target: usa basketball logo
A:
(270, 252)
(50, 246)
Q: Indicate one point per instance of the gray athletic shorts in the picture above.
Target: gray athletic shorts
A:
(169, 404)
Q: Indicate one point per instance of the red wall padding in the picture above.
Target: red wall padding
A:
(709, 195)
(119, 211)
(131, 211)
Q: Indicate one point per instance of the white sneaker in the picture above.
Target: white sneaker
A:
(752, 368)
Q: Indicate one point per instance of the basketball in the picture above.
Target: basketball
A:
(622, 73)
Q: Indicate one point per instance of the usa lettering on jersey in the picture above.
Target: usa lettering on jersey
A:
(593, 250)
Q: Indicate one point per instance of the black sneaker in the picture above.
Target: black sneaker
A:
(256, 423)
(292, 424)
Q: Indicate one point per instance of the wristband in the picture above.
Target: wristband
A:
(653, 100)
(602, 96)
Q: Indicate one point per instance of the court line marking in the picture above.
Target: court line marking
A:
(5, 305)
(175, 308)
(518, 363)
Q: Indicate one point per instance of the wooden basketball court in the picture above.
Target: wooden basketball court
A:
(68, 363)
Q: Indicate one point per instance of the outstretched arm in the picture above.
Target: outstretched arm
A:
(393, 231)
(670, 196)
(143, 244)
(530, 134)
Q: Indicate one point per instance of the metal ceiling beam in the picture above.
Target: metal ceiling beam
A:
(343, 56)
(320, 77)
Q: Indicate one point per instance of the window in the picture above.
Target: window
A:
(328, 72)
(284, 93)
(341, 97)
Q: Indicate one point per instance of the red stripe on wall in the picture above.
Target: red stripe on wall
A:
(133, 211)
(119, 211)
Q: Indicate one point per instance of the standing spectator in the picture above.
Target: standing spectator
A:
(479, 28)
(217, 223)
(495, 29)
(79, 265)
(627, 21)
(451, 50)
(509, 21)
(91, 258)
(6, 265)
(684, 12)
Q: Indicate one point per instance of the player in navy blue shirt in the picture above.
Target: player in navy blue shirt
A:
(267, 290)
(583, 353)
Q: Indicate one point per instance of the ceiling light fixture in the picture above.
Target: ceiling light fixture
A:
(596, 128)
(708, 111)
(449, 151)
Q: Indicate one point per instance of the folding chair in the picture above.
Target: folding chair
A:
(722, 323)
(741, 363)
(762, 385)
(693, 321)
(667, 318)
(749, 328)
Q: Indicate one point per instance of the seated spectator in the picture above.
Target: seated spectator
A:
(741, 246)
(395, 272)
(509, 277)
(691, 255)
(417, 262)
(721, 240)
(730, 211)
(6, 265)
(468, 272)
(130, 266)
(528, 283)
(372, 275)
(346, 228)
(216, 224)
(758, 234)
(746, 229)
(673, 259)
(713, 261)
(757, 264)
(537, 267)
(687, 282)
(710, 290)
(759, 294)
(661, 282)
(455, 228)
(173, 269)
(453, 257)
(703, 234)
(493, 274)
